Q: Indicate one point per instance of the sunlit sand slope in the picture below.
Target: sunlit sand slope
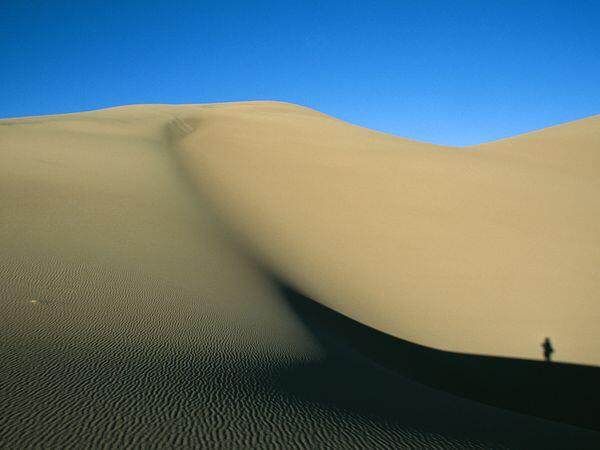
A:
(485, 249)
(139, 247)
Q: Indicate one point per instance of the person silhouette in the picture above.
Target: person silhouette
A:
(548, 349)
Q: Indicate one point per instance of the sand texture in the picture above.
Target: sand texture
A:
(143, 250)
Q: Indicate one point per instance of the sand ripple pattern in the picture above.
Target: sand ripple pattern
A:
(144, 364)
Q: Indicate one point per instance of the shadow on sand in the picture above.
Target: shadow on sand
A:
(562, 392)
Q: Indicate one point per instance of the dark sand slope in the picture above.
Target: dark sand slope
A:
(137, 306)
(563, 392)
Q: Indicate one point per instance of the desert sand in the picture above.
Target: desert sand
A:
(484, 250)
(140, 247)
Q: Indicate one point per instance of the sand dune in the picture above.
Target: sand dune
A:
(485, 249)
(140, 244)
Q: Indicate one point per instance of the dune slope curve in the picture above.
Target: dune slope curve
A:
(139, 247)
(481, 250)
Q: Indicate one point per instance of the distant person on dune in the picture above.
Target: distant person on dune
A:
(548, 349)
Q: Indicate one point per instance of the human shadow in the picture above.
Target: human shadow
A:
(566, 393)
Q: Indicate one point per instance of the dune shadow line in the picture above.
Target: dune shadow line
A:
(566, 393)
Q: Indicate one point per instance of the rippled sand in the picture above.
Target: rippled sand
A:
(137, 299)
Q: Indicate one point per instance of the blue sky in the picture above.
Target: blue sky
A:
(449, 72)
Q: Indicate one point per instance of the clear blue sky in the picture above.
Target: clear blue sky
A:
(449, 72)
